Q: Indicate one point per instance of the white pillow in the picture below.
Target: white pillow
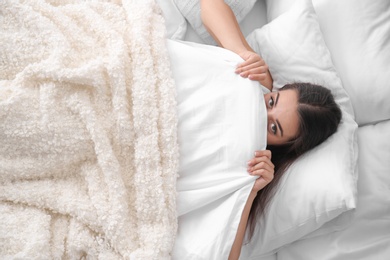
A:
(357, 33)
(191, 11)
(222, 121)
(175, 22)
(278, 7)
(322, 184)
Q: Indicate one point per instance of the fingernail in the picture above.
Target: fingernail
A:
(255, 153)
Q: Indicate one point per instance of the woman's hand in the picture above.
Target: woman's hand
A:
(262, 167)
(254, 68)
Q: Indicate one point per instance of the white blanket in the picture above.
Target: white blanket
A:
(88, 148)
(222, 121)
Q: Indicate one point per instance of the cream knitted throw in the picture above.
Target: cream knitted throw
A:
(88, 143)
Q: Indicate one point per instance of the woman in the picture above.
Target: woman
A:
(300, 116)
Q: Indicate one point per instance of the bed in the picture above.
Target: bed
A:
(95, 159)
(353, 36)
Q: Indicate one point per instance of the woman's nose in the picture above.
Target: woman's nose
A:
(273, 113)
(270, 113)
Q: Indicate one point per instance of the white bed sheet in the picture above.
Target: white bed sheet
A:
(368, 235)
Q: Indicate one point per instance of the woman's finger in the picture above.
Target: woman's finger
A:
(260, 169)
(253, 72)
(257, 77)
(247, 74)
(261, 156)
(250, 59)
(255, 65)
(259, 173)
(262, 159)
(263, 165)
(266, 153)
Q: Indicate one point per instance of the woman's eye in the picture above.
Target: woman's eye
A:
(271, 102)
(273, 128)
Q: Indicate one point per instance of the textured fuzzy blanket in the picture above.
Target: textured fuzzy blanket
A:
(88, 142)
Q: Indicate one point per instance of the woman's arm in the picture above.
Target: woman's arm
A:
(221, 23)
(262, 167)
(236, 248)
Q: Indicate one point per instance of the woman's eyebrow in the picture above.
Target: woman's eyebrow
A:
(280, 128)
(277, 98)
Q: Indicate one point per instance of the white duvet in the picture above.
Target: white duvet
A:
(222, 121)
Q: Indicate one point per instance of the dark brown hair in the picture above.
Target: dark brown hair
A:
(319, 117)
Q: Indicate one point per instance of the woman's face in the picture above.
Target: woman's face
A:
(282, 116)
